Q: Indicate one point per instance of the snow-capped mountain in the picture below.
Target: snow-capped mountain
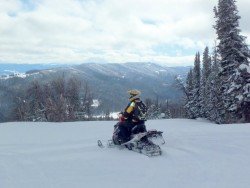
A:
(109, 82)
(7, 69)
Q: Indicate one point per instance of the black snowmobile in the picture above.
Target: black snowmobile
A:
(145, 142)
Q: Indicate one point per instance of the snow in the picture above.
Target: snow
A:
(114, 115)
(239, 97)
(13, 74)
(244, 66)
(197, 154)
(96, 103)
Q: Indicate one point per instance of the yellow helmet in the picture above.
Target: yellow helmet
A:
(134, 93)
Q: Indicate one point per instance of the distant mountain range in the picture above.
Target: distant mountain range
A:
(7, 69)
(109, 82)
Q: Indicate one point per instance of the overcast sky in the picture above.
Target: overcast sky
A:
(116, 31)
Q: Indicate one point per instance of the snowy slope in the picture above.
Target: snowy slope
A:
(197, 154)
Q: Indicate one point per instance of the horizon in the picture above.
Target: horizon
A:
(9, 68)
(108, 31)
(82, 63)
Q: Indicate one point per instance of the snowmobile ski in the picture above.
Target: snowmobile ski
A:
(142, 143)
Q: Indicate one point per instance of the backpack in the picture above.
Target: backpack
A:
(141, 111)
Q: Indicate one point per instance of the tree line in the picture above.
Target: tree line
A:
(58, 100)
(164, 109)
(62, 98)
(218, 86)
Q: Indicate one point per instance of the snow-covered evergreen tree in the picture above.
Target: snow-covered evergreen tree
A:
(167, 112)
(205, 86)
(216, 106)
(154, 112)
(234, 64)
(154, 108)
(196, 103)
(189, 95)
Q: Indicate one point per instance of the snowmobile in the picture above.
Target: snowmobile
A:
(146, 143)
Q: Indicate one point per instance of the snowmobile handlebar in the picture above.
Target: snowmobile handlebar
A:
(121, 117)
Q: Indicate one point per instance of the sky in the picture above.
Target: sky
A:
(112, 31)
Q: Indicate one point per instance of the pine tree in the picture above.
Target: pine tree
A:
(216, 106)
(196, 103)
(189, 95)
(235, 70)
(205, 86)
(154, 108)
(167, 113)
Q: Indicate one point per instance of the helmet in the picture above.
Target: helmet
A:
(134, 93)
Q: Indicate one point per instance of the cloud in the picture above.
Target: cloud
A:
(74, 31)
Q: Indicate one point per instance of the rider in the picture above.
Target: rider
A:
(134, 116)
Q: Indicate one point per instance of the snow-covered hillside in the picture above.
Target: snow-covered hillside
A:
(197, 154)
